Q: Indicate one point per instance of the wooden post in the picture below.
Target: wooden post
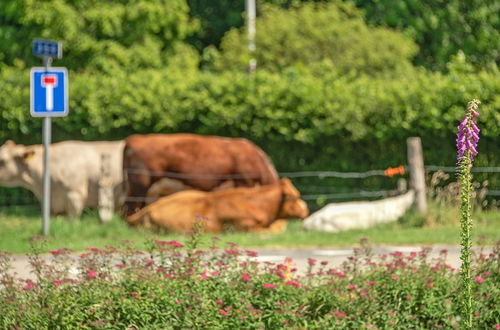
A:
(417, 172)
(106, 204)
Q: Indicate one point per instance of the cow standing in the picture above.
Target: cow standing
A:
(263, 208)
(161, 164)
(75, 168)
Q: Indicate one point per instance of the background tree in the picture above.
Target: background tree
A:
(310, 34)
(97, 35)
(443, 28)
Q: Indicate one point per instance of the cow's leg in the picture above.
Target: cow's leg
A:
(75, 204)
(164, 187)
(225, 185)
(277, 226)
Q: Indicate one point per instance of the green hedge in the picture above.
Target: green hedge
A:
(304, 122)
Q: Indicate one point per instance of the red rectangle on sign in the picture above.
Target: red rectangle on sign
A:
(49, 80)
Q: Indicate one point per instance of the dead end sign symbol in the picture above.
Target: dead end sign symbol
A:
(49, 92)
(49, 81)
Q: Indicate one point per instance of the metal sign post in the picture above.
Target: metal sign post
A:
(49, 98)
(47, 132)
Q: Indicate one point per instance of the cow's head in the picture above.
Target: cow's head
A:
(13, 158)
(292, 206)
(288, 189)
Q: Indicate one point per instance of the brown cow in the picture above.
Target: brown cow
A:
(262, 208)
(161, 164)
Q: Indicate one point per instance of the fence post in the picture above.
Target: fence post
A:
(106, 204)
(417, 172)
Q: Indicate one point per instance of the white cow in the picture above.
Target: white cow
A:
(75, 169)
(336, 217)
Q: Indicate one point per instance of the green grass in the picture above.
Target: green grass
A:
(18, 225)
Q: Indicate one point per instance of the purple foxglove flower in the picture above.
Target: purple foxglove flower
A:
(468, 133)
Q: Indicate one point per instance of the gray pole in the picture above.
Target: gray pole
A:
(46, 169)
(251, 13)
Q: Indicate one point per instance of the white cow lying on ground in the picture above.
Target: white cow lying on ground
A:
(75, 169)
(336, 217)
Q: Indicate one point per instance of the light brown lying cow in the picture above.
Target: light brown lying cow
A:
(262, 208)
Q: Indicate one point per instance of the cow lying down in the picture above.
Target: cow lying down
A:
(261, 208)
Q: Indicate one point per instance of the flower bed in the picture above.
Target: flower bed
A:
(172, 286)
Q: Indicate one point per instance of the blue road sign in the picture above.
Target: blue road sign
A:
(49, 92)
(47, 48)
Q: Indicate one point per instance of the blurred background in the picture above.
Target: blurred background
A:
(320, 85)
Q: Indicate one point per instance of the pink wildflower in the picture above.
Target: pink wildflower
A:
(245, 277)
(293, 283)
(497, 326)
(171, 243)
(372, 283)
(429, 285)
(392, 314)
(232, 252)
(352, 287)
(395, 278)
(269, 286)
(479, 279)
(311, 262)
(56, 283)
(218, 301)
(133, 293)
(251, 253)
(29, 284)
(91, 273)
(175, 244)
(338, 314)
(223, 312)
(57, 252)
(324, 263)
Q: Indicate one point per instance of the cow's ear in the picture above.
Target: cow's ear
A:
(28, 154)
(288, 188)
(9, 143)
(25, 155)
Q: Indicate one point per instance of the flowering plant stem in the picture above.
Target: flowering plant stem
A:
(467, 139)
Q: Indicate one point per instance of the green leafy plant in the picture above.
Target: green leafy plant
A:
(176, 285)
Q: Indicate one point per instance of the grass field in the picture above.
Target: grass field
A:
(439, 227)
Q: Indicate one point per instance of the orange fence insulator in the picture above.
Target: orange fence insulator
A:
(392, 171)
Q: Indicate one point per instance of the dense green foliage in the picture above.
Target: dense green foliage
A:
(216, 18)
(274, 110)
(443, 29)
(229, 289)
(97, 35)
(332, 36)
